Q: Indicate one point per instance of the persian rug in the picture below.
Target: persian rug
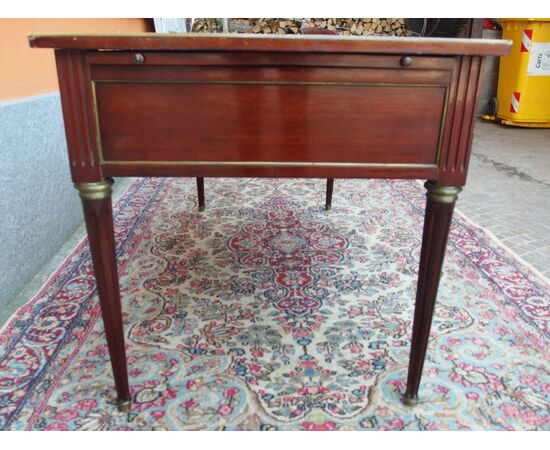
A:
(267, 313)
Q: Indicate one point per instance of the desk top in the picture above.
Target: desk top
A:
(278, 43)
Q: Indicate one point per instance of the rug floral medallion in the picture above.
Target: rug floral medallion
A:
(266, 312)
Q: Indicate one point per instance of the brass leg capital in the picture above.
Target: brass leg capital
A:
(442, 194)
(95, 191)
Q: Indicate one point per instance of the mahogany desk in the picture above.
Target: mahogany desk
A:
(264, 106)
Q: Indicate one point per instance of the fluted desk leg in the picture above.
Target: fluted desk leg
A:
(200, 191)
(96, 201)
(330, 188)
(437, 222)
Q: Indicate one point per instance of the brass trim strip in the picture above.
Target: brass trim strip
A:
(97, 129)
(267, 163)
(269, 83)
(442, 126)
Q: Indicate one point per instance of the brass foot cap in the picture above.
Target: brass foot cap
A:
(409, 401)
(201, 208)
(124, 406)
(328, 208)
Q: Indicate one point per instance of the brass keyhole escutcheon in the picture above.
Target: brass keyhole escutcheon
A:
(139, 58)
(406, 61)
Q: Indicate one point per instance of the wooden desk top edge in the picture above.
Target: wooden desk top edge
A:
(269, 43)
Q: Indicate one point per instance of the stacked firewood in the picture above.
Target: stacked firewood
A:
(346, 27)
(207, 26)
(359, 27)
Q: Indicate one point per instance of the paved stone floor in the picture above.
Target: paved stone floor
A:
(508, 189)
(507, 192)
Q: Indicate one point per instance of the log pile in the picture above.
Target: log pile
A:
(207, 26)
(359, 27)
(345, 27)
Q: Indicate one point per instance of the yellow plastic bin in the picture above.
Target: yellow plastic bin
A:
(523, 96)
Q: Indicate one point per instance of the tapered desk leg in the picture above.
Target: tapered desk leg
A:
(96, 202)
(200, 190)
(439, 211)
(330, 188)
